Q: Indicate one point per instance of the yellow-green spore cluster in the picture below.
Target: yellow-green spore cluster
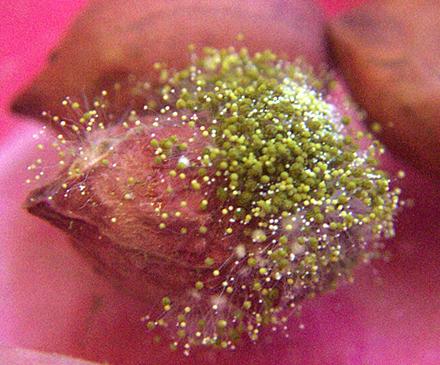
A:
(281, 147)
(290, 176)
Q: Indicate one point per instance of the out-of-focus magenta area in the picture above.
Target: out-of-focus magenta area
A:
(30, 29)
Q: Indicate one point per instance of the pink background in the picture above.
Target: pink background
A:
(29, 29)
(50, 301)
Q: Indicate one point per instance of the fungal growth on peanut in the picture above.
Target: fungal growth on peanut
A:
(238, 191)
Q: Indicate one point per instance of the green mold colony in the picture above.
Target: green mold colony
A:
(296, 202)
(308, 202)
